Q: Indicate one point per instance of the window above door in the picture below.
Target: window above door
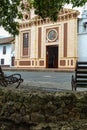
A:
(52, 34)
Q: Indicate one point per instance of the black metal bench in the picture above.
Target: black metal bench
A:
(80, 77)
(9, 80)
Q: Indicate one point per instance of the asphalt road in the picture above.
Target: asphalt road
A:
(50, 81)
(38, 76)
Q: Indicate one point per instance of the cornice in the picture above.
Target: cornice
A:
(64, 15)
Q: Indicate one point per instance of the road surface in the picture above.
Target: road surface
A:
(50, 81)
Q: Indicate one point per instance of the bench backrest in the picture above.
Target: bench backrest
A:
(81, 73)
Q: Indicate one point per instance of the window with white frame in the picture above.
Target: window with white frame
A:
(2, 61)
(4, 49)
(85, 27)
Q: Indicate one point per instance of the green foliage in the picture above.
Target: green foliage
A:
(44, 8)
(78, 2)
(8, 14)
(48, 8)
(51, 8)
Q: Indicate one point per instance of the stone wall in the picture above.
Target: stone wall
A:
(41, 110)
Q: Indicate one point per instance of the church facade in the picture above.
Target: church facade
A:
(46, 44)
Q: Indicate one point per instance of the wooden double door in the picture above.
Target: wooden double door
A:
(52, 57)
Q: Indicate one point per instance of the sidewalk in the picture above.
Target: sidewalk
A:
(37, 69)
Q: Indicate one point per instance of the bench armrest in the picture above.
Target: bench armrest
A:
(13, 75)
(73, 82)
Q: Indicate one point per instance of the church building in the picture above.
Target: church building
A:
(42, 43)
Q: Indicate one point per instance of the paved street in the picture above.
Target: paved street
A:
(50, 81)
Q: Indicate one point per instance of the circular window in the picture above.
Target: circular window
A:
(26, 16)
(52, 35)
